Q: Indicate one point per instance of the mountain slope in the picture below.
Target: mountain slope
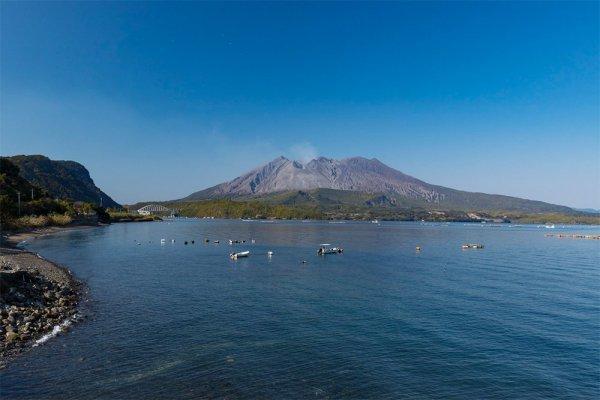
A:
(367, 182)
(62, 179)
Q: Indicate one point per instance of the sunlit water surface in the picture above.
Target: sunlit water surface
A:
(518, 319)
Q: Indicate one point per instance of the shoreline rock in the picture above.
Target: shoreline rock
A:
(36, 295)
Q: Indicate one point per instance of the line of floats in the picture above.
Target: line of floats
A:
(324, 248)
(573, 236)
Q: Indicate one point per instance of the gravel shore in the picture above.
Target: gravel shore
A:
(38, 298)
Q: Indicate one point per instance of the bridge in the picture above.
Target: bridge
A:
(155, 209)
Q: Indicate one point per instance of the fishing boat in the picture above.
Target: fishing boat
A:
(472, 246)
(328, 250)
(235, 256)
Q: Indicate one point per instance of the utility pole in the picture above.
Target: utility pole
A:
(19, 202)
(31, 193)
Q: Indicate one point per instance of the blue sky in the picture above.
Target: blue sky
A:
(162, 99)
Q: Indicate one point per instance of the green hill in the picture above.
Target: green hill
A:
(67, 180)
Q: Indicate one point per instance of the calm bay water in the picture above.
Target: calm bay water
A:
(518, 319)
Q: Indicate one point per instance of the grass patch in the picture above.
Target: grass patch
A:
(40, 221)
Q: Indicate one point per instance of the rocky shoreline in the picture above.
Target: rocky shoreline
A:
(38, 298)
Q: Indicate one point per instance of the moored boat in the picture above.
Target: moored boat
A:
(235, 256)
(329, 250)
(472, 246)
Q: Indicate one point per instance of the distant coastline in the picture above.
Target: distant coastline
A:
(255, 209)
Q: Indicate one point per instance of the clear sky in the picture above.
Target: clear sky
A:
(159, 100)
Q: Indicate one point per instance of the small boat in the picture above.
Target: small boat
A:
(269, 253)
(328, 250)
(375, 221)
(215, 241)
(230, 241)
(549, 226)
(235, 256)
(162, 241)
(418, 248)
(472, 246)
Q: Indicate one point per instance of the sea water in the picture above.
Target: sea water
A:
(519, 318)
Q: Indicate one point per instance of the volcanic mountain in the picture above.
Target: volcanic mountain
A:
(358, 180)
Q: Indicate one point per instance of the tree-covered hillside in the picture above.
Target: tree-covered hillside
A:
(66, 180)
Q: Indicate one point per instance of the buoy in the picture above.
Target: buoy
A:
(185, 242)
(192, 242)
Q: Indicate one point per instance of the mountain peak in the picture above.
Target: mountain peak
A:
(364, 175)
(278, 160)
(355, 174)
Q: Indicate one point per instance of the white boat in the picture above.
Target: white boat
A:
(549, 226)
(472, 246)
(235, 256)
(375, 221)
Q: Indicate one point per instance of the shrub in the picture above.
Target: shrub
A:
(32, 221)
(59, 219)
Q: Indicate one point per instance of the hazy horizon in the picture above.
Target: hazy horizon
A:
(159, 100)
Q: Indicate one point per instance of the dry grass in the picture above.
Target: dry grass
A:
(59, 219)
(41, 221)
